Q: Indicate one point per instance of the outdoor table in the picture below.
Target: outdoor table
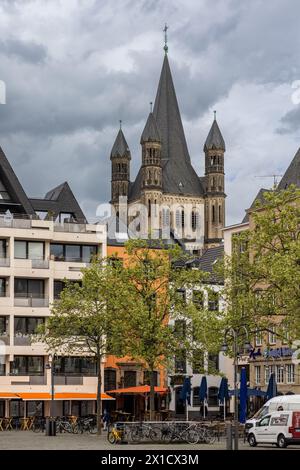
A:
(7, 424)
(1, 422)
(73, 420)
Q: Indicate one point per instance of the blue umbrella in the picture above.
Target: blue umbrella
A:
(223, 393)
(272, 387)
(203, 392)
(185, 393)
(243, 396)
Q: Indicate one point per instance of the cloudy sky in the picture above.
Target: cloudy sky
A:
(73, 68)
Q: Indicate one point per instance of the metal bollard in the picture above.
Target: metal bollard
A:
(228, 436)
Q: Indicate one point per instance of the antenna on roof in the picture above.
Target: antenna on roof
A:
(275, 181)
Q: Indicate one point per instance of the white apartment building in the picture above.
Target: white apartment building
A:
(42, 243)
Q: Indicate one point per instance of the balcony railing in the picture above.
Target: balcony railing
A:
(4, 262)
(24, 221)
(68, 380)
(4, 338)
(22, 340)
(29, 300)
(69, 259)
(40, 263)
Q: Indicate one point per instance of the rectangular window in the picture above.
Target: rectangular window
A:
(2, 325)
(198, 361)
(268, 371)
(29, 288)
(57, 251)
(213, 363)
(74, 365)
(257, 374)
(27, 325)
(279, 373)
(3, 248)
(180, 363)
(180, 328)
(110, 379)
(198, 298)
(88, 253)
(129, 378)
(272, 335)
(28, 365)
(29, 250)
(2, 369)
(258, 338)
(73, 253)
(147, 378)
(196, 398)
(2, 286)
(213, 301)
(290, 373)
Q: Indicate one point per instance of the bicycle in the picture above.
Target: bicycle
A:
(87, 425)
(38, 425)
(145, 431)
(206, 435)
(183, 432)
(116, 434)
(64, 425)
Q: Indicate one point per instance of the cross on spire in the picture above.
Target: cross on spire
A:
(165, 30)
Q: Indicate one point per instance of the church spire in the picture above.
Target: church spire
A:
(150, 132)
(120, 147)
(214, 139)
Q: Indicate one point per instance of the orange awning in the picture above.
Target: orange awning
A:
(63, 396)
(81, 396)
(8, 395)
(141, 389)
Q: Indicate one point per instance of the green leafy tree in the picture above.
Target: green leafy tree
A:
(85, 320)
(157, 281)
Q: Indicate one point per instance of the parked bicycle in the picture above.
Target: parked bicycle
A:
(185, 432)
(87, 425)
(63, 425)
(39, 424)
(116, 433)
(144, 431)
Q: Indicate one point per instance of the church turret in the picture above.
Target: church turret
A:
(214, 149)
(151, 183)
(120, 168)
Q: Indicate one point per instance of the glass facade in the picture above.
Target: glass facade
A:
(28, 365)
(73, 253)
(75, 365)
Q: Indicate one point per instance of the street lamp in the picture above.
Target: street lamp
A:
(51, 366)
(234, 333)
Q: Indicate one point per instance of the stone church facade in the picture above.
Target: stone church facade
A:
(167, 196)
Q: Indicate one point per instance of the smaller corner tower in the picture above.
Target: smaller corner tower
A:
(120, 168)
(214, 149)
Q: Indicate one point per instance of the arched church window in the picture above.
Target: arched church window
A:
(220, 213)
(195, 219)
(213, 216)
(149, 208)
(166, 217)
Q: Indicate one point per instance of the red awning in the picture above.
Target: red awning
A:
(136, 390)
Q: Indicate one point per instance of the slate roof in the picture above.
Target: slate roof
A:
(214, 139)
(292, 174)
(120, 147)
(59, 199)
(178, 175)
(150, 132)
(258, 198)
(207, 261)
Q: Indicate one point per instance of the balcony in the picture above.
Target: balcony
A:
(4, 262)
(68, 380)
(40, 264)
(22, 340)
(29, 300)
(4, 338)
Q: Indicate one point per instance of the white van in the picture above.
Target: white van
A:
(280, 427)
(282, 402)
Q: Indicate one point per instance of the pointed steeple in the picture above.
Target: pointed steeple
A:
(150, 132)
(214, 139)
(120, 147)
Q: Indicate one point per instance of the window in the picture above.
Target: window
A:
(73, 253)
(3, 248)
(268, 371)
(129, 378)
(290, 373)
(195, 220)
(147, 378)
(16, 408)
(180, 363)
(2, 408)
(42, 215)
(258, 338)
(213, 396)
(2, 286)
(29, 250)
(35, 408)
(27, 325)
(198, 361)
(213, 213)
(180, 328)
(213, 301)
(3, 192)
(198, 298)
(2, 325)
(257, 370)
(213, 363)
(220, 214)
(265, 421)
(66, 217)
(110, 379)
(29, 288)
(166, 217)
(75, 365)
(196, 399)
(279, 373)
(2, 369)
(28, 365)
(272, 335)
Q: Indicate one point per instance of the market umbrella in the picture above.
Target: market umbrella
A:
(203, 392)
(223, 393)
(185, 394)
(272, 387)
(243, 396)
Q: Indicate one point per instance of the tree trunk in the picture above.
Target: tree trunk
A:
(152, 394)
(99, 401)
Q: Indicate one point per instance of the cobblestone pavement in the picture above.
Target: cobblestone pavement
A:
(28, 440)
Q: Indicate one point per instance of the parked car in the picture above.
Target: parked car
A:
(280, 403)
(281, 428)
